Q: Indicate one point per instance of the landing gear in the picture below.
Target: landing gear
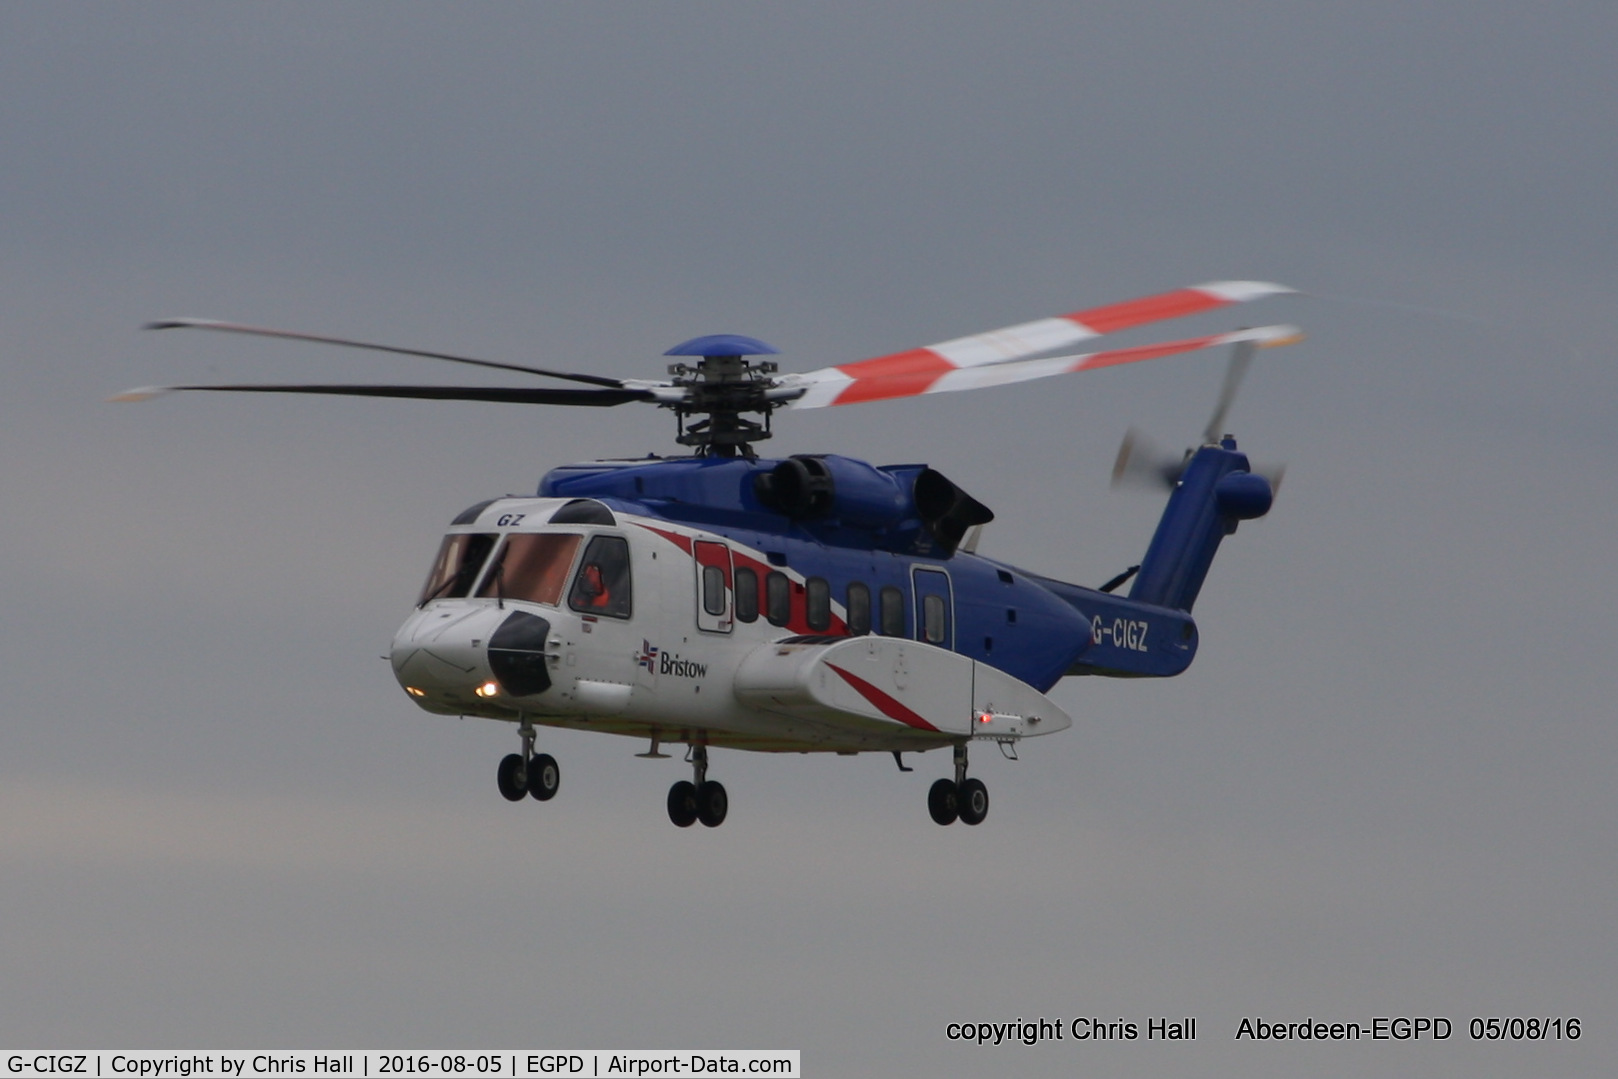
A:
(683, 803)
(512, 778)
(966, 800)
(973, 801)
(523, 774)
(712, 804)
(543, 777)
(702, 799)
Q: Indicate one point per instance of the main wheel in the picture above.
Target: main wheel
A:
(973, 801)
(712, 804)
(943, 802)
(683, 803)
(543, 776)
(510, 778)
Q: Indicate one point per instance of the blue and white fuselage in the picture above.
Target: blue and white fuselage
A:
(810, 604)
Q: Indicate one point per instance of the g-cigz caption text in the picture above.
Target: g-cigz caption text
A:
(353, 1064)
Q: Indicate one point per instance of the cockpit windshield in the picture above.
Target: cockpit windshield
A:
(457, 565)
(532, 566)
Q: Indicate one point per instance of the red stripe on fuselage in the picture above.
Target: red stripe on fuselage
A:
(884, 703)
(798, 620)
(682, 542)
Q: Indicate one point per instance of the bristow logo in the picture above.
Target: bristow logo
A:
(659, 661)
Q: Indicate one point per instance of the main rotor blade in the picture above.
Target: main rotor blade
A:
(260, 331)
(1013, 343)
(831, 386)
(512, 394)
(1241, 358)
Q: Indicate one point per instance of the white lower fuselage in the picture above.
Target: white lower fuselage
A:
(676, 663)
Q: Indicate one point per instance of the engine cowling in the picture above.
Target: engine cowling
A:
(946, 511)
(809, 488)
(853, 493)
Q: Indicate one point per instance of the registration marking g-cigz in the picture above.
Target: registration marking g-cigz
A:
(1127, 633)
(50, 1064)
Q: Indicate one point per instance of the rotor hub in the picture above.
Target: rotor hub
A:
(723, 386)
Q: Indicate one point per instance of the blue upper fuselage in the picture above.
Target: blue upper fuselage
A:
(896, 527)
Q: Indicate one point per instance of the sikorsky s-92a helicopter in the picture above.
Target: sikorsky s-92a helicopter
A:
(815, 603)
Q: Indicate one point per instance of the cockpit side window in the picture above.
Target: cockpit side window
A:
(602, 584)
(532, 566)
(456, 567)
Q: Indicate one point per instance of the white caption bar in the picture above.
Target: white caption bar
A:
(372, 1064)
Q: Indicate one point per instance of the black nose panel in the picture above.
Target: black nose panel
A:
(517, 654)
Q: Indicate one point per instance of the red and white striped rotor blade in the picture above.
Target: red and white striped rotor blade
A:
(832, 387)
(1012, 343)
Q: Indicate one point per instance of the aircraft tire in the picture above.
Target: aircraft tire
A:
(943, 802)
(973, 801)
(683, 803)
(712, 804)
(544, 777)
(510, 778)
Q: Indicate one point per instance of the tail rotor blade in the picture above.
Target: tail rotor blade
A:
(1141, 463)
(1241, 358)
(1120, 464)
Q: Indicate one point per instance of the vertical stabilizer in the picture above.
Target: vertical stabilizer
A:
(1216, 492)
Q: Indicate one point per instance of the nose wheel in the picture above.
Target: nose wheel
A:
(963, 799)
(699, 798)
(528, 774)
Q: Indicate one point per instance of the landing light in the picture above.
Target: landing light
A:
(487, 689)
(414, 692)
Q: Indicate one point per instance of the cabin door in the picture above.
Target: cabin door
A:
(935, 614)
(715, 591)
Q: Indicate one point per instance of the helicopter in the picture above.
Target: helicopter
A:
(809, 604)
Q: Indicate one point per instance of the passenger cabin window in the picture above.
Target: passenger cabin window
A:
(777, 598)
(602, 583)
(713, 589)
(893, 612)
(532, 566)
(746, 595)
(456, 568)
(859, 609)
(932, 618)
(817, 604)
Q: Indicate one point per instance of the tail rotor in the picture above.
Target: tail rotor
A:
(1142, 463)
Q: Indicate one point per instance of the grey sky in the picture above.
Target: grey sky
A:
(1384, 788)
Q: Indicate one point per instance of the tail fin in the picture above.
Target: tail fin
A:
(1216, 491)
